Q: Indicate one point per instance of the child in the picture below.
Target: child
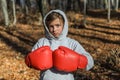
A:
(56, 29)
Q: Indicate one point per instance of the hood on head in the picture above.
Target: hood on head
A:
(65, 28)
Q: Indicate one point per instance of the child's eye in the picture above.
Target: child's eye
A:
(50, 27)
(58, 25)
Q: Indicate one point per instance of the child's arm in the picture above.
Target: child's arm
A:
(79, 49)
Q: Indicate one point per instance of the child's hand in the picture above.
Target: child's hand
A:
(65, 59)
(82, 62)
(40, 59)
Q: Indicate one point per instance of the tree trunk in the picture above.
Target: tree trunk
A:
(5, 12)
(116, 5)
(109, 10)
(106, 4)
(14, 12)
(25, 4)
(22, 3)
(102, 4)
(43, 7)
(72, 5)
(69, 7)
(63, 5)
(84, 12)
(97, 4)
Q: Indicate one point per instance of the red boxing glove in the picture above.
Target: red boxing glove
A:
(82, 61)
(40, 58)
(65, 59)
(27, 61)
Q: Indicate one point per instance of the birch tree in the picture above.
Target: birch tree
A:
(25, 4)
(14, 12)
(5, 11)
(116, 5)
(109, 10)
(84, 21)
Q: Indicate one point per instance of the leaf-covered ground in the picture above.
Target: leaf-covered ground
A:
(100, 38)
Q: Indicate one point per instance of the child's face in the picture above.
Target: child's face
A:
(55, 27)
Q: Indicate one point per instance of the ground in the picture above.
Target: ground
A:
(100, 38)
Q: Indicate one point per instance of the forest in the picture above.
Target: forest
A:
(93, 23)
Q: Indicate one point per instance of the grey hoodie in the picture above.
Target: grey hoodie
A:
(54, 43)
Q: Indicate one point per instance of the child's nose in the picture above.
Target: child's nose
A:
(54, 28)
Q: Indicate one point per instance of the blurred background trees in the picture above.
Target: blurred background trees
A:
(9, 7)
